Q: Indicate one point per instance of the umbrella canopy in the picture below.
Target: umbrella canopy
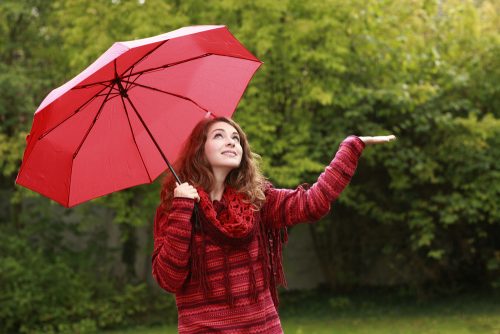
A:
(116, 124)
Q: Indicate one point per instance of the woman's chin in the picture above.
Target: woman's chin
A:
(228, 165)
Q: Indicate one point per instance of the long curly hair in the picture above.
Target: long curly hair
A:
(193, 167)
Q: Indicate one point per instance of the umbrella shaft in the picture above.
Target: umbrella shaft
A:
(153, 139)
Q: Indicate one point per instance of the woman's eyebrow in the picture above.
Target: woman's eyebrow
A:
(225, 131)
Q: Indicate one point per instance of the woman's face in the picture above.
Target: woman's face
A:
(223, 148)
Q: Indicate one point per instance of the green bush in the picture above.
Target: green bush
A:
(42, 294)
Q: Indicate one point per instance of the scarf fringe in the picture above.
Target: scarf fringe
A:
(199, 260)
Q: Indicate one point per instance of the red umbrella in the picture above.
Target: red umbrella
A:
(119, 122)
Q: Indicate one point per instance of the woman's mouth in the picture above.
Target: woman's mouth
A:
(229, 153)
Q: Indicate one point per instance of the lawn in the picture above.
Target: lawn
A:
(313, 313)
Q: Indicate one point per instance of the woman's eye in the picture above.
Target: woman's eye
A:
(218, 134)
(237, 138)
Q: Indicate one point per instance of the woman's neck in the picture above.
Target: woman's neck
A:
(219, 186)
(216, 193)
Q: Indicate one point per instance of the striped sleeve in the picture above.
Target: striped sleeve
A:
(172, 236)
(287, 207)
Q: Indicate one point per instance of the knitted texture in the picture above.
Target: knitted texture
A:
(231, 223)
(172, 265)
(237, 221)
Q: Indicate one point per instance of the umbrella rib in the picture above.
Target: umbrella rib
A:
(127, 86)
(129, 68)
(94, 84)
(229, 56)
(131, 83)
(93, 123)
(113, 94)
(81, 143)
(133, 136)
(74, 113)
(152, 69)
(112, 86)
(169, 93)
(143, 57)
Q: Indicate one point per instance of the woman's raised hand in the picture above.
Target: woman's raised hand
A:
(377, 139)
(186, 190)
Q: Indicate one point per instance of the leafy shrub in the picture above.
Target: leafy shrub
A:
(42, 294)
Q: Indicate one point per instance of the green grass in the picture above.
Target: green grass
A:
(383, 325)
(407, 325)
(322, 313)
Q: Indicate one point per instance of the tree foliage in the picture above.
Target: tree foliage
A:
(423, 210)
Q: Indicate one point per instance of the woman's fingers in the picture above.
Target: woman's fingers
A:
(386, 138)
(186, 190)
(194, 194)
(377, 139)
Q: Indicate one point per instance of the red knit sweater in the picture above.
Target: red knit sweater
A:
(172, 234)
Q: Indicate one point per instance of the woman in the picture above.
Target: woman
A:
(222, 260)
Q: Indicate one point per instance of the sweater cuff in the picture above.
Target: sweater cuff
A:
(183, 203)
(355, 143)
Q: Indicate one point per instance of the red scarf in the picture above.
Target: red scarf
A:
(232, 217)
(232, 223)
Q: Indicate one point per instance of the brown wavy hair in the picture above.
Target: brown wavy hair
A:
(193, 167)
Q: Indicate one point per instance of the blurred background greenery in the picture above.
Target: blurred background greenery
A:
(418, 225)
